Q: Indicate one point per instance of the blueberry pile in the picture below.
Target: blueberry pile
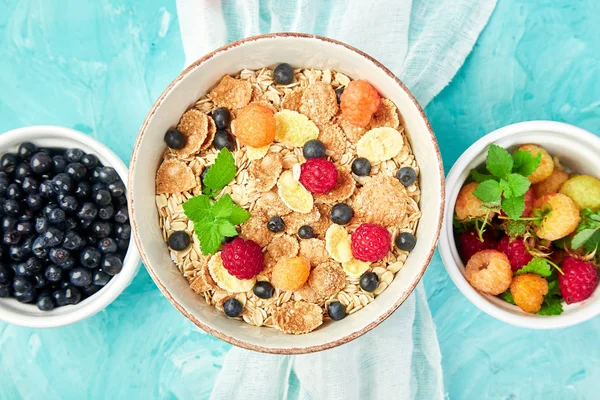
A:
(65, 226)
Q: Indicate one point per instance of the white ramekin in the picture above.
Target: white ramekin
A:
(254, 53)
(577, 149)
(28, 314)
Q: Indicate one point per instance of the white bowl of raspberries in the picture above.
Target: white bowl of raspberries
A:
(65, 250)
(522, 224)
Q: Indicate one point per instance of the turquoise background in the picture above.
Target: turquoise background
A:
(98, 65)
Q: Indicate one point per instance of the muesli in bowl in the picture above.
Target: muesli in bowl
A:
(289, 196)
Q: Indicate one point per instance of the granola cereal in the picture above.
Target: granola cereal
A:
(308, 273)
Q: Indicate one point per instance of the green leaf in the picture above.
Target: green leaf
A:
(538, 266)
(552, 306)
(238, 215)
(221, 172)
(498, 161)
(226, 228)
(507, 297)
(506, 189)
(513, 206)
(553, 288)
(480, 177)
(516, 227)
(198, 209)
(488, 191)
(582, 237)
(223, 207)
(519, 185)
(210, 238)
(525, 163)
(593, 243)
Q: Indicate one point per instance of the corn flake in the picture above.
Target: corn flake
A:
(319, 102)
(334, 140)
(231, 93)
(298, 317)
(283, 246)
(314, 251)
(385, 116)
(343, 189)
(174, 176)
(263, 173)
(382, 200)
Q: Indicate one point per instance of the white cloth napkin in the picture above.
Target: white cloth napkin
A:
(424, 42)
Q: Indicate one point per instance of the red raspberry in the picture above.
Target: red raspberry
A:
(579, 280)
(242, 258)
(318, 175)
(470, 243)
(370, 242)
(529, 201)
(516, 251)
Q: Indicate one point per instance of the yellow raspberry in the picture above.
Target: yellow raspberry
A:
(544, 170)
(489, 272)
(290, 273)
(255, 125)
(552, 184)
(467, 205)
(584, 190)
(560, 216)
(528, 291)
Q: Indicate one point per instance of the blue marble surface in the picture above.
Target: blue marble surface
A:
(97, 66)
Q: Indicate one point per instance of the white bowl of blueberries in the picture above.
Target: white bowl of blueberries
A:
(65, 249)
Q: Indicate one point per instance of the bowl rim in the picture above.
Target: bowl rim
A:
(447, 243)
(221, 335)
(131, 262)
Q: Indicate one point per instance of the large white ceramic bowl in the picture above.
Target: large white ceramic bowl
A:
(27, 314)
(195, 81)
(578, 150)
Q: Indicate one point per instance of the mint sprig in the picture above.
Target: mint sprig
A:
(588, 231)
(220, 173)
(540, 266)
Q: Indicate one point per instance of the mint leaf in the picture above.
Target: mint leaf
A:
(519, 185)
(223, 207)
(238, 215)
(513, 206)
(593, 243)
(516, 227)
(209, 237)
(507, 297)
(552, 306)
(488, 191)
(198, 208)
(226, 228)
(479, 177)
(553, 288)
(221, 172)
(582, 237)
(525, 163)
(506, 189)
(537, 266)
(498, 161)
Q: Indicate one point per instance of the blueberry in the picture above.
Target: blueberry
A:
(11, 237)
(5, 290)
(227, 239)
(40, 163)
(116, 188)
(39, 281)
(88, 211)
(108, 175)
(9, 222)
(123, 231)
(33, 266)
(283, 74)
(90, 290)
(59, 255)
(369, 281)
(49, 207)
(89, 161)
(12, 207)
(34, 201)
(76, 171)
(69, 203)
(22, 171)
(80, 276)
(17, 252)
(102, 197)
(361, 166)
(341, 214)
(276, 224)
(30, 185)
(53, 273)
(90, 257)
(69, 224)
(22, 284)
(120, 200)
(106, 212)
(41, 224)
(179, 240)
(203, 174)
(264, 290)
(314, 148)
(111, 264)
(83, 190)
(338, 94)
(306, 232)
(28, 215)
(45, 189)
(233, 308)
(101, 229)
(62, 183)
(25, 228)
(8, 163)
(39, 248)
(407, 176)
(6, 274)
(45, 303)
(73, 241)
(21, 269)
(406, 241)
(96, 173)
(26, 150)
(60, 297)
(107, 245)
(123, 244)
(222, 118)
(68, 264)
(13, 191)
(53, 237)
(73, 155)
(101, 278)
(122, 215)
(59, 164)
(224, 139)
(336, 310)
(25, 297)
(56, 216)
(175, 139)
(72, 295)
